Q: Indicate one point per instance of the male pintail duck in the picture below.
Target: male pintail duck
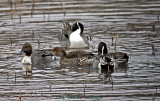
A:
(103, 60)
(27, 49)
(73, 36)
(33, 58)
(120, 57)
(78, 57)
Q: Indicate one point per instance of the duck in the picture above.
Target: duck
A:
(120, 57)
(104, 61)
(77, 57)
(26, 61)
(72, 37)
(33, 58)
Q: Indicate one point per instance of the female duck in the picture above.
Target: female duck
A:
(73, 36)
(73, 58)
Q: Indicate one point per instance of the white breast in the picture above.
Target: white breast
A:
(27, 60)
(76, 40)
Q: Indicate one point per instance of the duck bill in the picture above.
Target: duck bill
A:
(44, 55)
(21, 52)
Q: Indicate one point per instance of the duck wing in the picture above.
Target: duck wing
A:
(65, 32)
(79, 53)
(119, 55)
(66, 28)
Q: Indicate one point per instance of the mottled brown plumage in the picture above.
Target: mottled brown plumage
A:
(72, 58)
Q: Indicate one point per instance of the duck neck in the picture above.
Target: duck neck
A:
(80, 26)
(29, 53)
(62, 54)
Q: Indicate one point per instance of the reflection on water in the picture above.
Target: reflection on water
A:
(134, 24)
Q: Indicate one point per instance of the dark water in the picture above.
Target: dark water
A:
(135, 24)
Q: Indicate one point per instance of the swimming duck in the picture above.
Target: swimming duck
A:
(73, 36)
(34, 58)
(78, 57)
(120, 57)
(27, 49)
(103, 60)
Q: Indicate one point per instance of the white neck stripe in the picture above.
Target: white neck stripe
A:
(102, 49)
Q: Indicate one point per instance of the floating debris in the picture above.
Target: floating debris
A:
(143, 26)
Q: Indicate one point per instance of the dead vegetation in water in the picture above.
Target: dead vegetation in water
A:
(63, 7)
(11, 40)
(145, 25)
(20, 95)
(115, 44)
(153, 48)
(38, 39)
(32, 9)
(15, 74)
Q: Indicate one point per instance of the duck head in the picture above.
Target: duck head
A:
(26, 48)
(57, 51)
(77, 26)
(102, 48)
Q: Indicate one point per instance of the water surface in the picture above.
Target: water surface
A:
(135, 24)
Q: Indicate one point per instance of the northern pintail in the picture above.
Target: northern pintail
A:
(103, 60)
(78, 58)
(120, 57)
(33, 58)
(27, 49)
(72, 37)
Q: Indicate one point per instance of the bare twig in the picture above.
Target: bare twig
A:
(43, 16)
(20, 18)
(153, 48)
(49, 14)
(50, 86)
(153, 97)
(32, 9)
(11, 41)
(15, 74)
(158, 17)
(115, 42)
(84, 90)
(108, 27)
(41, 93)
(112, 39)
(38, 41)
(153, 27)
(20, 95)
(63, 5)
